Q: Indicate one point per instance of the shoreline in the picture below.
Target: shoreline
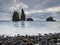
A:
(46, 39)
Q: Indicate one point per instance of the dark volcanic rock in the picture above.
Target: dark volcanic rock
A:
(15, 16)
(29, 19)
(23, 17)
(50, 19)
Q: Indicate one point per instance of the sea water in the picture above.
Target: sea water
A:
(28, 27)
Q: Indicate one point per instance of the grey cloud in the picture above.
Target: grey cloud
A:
(4, 5)
(52, 3)
(47, 4)
(32, 5)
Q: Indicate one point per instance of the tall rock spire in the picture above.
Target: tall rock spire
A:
(15, 16)
(23, 17)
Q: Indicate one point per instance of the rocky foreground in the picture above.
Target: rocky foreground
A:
(46, 39)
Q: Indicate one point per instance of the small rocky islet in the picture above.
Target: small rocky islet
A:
(50, 19)
(17, 17)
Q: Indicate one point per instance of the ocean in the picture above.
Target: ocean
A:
(28, 27)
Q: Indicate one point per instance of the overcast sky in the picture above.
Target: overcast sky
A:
(37, 9)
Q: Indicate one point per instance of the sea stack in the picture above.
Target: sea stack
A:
(15, 16)
(23, 17)
(50, 19)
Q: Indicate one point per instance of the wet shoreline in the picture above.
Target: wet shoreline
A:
(46, 39)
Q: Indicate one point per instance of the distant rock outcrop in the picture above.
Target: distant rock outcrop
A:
(15, 16)
(50, 19)
(29, 19)
(23, 17)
